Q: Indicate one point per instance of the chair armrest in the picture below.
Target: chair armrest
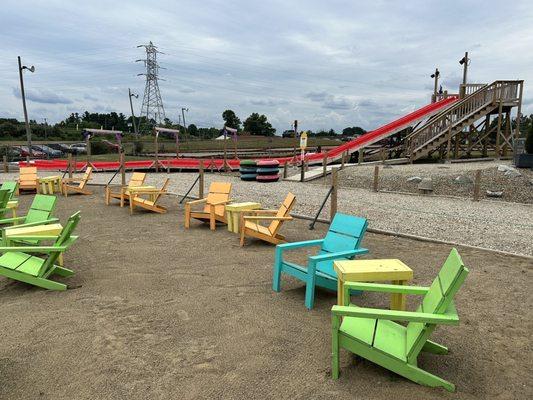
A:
(10, 220)
(252, 212)
(193, 202)
(339, 254)
(32, 237)
(297, 245)
(260, 217)
(219, 203)
(387, 288)
(393, 315)
(67, 180)
(36, 223)
(32, 249)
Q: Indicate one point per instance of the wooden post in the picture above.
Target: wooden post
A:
(382, 155)
(343, 159)
(325, 169)
(486, 139)
(285, 169)
(519, 110)
(334, 194)
(70, 165)
(361, 155)
(156, 145)
(456, 146)
(201, 180)
(507, 133)
(477, 184)
(449, 144)
(302, 171)
(212, 163)
(122, 169)
(6, 165)
(499, 132)
(89, 151)
(376, 178)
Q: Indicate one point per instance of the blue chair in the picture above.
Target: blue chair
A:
(341, 242)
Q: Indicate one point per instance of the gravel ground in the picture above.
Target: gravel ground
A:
(496, 225)
(515, 189)
(158, 312)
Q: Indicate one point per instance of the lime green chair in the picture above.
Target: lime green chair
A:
(372, 334)
(40, 212)
(19, 264)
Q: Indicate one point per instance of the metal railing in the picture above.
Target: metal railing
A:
(484, 96)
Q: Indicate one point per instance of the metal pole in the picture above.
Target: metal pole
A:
(23, 94)
(376, 178)
(122, 169)
(135, 129)
(70, 165)
(285, 169)
(156, 152)
(477, 184)
(334, 184)
(465, 68)
(436, 84)
(201, 181)
(6, 165)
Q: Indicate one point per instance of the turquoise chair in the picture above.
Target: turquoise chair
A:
(342, 242)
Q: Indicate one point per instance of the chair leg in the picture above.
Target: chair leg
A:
(435, 348)
(212, 220)
(242, 236)
(276, 278)
(187, 216)
(310, 290)
(335, 323)
(60, 259)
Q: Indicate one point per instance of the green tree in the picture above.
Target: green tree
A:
(193, 130)
(353, 131)
(529, 140)
(257, 124)
(231, 120)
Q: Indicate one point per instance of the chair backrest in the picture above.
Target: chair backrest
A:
(28, 175)
(4, 197)
(345, 232)
(436, 301)
(137, 179)
(41, 208)
(86, 177)
(11, 186)
(163, 188)
(283, 211)
(64, 239)
(218, 191)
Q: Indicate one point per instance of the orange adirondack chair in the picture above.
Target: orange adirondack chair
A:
(250, 222)
(137, 179)
(149, 204)
(82, 182)
(28, 179)
(214, 208)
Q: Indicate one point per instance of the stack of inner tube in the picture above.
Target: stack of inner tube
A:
(248, 170)
(267, 171)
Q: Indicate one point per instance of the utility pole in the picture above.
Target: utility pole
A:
(132, 113)
(435, 76)
(45, 130)
(183, 109)
(464, 62)
(23, 94)
(152, 107)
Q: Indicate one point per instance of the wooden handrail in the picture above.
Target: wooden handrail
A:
(484, 95)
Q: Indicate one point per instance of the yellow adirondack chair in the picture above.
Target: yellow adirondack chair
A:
(148, 204)
(66, 183)
(250, 222)
(137, 179)
(214, 208)
(28, 179)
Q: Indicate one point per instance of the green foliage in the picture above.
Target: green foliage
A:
(257, 124)
(99, 147)
(138, 147)
(529, 140)
(353, 131)
(193, 130)
(231, 120)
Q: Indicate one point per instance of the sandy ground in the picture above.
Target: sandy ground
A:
(155, 312)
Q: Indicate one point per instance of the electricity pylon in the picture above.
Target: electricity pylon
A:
(152, 106)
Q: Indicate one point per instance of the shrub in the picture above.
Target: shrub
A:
(529, 140)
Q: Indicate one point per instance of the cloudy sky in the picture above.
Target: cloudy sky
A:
(329, 64)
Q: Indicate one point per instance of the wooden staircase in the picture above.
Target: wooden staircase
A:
(479, 100)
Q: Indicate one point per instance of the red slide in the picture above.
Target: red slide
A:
(332, 155)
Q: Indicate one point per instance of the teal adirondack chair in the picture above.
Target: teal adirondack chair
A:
(372, 334)
(40, 212)
(17, 264)
(341, 242)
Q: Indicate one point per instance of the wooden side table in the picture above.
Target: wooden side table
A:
(373, 270)
(49, 183)
(234, 211)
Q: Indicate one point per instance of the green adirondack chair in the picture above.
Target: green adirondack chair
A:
(12, 187)
(40, 212)
(371, 334)
(17, 262)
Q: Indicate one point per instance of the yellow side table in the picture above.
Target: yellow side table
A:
(234, 210)
(49, 183)
(371, 271)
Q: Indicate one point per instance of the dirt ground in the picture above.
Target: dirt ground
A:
(157, 312)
